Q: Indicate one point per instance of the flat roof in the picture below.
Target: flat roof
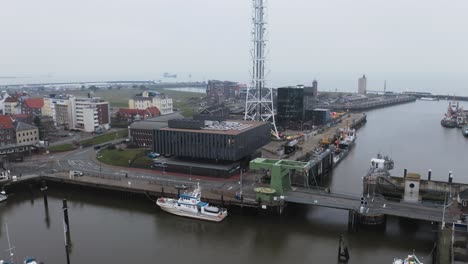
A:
(253, 124)
(147, 125)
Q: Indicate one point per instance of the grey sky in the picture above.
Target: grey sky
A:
(414, 44)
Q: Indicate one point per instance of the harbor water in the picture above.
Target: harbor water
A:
(114, 229)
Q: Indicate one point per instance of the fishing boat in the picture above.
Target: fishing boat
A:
(411, 259)
(3, 197)
(190, 205)
(348, 137)
(465, 130)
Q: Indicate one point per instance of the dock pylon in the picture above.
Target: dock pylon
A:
(343, 253)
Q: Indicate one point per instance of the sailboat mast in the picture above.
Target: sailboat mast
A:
(10, 248)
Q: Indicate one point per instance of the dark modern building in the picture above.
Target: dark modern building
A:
(142, 132)
(220, 91)
(318, 116)
(290, 104)
(227, 141)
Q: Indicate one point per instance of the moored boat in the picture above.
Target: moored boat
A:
(465, 131)
(411, 259)
(428, 99)
(190, 205)
(3, 196)
(448, 122)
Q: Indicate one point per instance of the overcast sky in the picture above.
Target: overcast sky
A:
(413, 44)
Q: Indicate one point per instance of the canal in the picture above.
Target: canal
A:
(114, 229)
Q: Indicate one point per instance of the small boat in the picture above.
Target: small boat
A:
(3, 197)
(428, 99)
(465, 131)
(411, 259)
(190, 205)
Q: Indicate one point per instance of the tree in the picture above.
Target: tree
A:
(83, 87)
(93, 88)
(109, 88)
(38, 123)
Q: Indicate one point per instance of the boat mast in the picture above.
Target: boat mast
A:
(10, 248)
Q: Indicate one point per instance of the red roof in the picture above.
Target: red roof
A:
(154, 111)
(34, 102)
(6, 122)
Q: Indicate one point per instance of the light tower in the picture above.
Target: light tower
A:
(259, 99)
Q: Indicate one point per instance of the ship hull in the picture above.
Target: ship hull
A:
(168, 206)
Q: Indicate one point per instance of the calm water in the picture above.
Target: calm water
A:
(107, 229)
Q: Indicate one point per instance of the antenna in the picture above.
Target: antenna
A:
(259, 99)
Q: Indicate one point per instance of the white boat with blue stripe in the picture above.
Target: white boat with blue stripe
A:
(190, 205)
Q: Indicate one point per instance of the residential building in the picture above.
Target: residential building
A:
(7, 131)
(62, 110)
(28, 119)
(12, 106)
(219, 92)
(152, 99)
(3, 96)
(91, 114)
(26, 134)
(137, 114)
(32, 106)
(362, 85)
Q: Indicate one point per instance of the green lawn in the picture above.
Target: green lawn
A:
(105, 138)
(119, 157)
(63, 147)
(185, 101)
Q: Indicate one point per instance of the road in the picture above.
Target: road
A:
(84, 160)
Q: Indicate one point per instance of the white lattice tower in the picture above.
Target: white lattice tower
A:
(259, 98)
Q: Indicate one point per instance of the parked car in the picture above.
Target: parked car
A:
(153, 155)
(76, 173)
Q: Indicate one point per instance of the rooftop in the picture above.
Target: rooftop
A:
(34, 102)
(6, 122)
(230, 127)
(20, 126)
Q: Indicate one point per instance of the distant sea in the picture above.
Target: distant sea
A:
(342, 83)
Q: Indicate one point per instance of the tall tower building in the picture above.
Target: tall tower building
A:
(314, 89)
(259, 99)
(362, 85)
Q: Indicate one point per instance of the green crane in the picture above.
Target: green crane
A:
(280, 171)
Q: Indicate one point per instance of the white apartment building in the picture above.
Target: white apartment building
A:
(152, 99)
(91, 114)
(62, 110)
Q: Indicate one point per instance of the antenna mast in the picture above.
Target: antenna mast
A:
(259, 99)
